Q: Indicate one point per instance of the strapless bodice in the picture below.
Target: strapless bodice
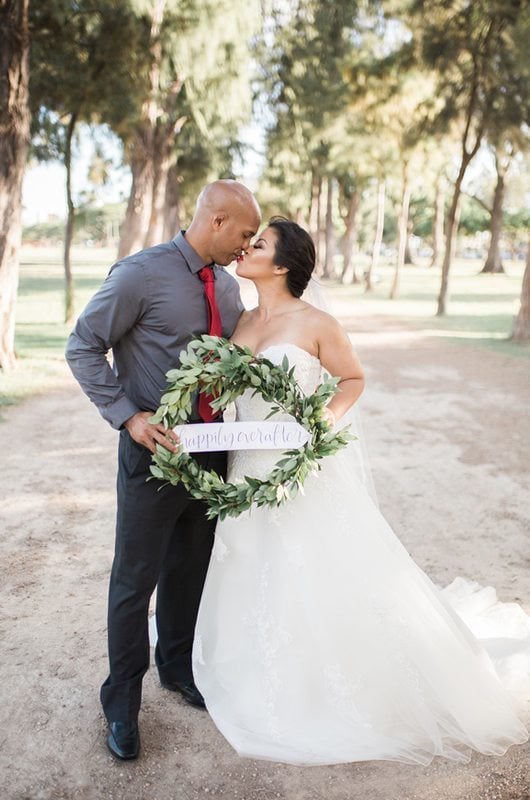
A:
(251, 407)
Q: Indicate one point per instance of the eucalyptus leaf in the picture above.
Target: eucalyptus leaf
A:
(227, 370)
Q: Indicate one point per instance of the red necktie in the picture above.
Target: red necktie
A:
(215, 328)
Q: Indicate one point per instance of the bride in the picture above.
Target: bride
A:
(319, 640)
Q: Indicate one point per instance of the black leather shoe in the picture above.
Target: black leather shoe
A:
(123, 740)
(189, 692)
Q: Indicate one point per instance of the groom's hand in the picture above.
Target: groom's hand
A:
(148, 435)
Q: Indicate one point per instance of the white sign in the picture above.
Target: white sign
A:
(206, 437)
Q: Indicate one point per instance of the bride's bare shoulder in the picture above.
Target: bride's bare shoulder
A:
(323, 321)
(328, 334)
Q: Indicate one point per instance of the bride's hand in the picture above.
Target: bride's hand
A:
(329, 416)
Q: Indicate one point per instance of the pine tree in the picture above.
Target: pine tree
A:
(14, 140)
(82, 57)
(471, 48)
(196, 74)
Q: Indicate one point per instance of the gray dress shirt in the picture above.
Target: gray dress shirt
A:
(148, 309)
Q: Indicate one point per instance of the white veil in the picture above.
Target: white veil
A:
(356, 452)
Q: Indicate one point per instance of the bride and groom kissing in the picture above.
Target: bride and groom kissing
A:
(307, 631)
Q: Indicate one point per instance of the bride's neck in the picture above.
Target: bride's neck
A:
(273, 302)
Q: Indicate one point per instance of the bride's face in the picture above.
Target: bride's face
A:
(258, 261)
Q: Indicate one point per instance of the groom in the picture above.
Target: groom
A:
(147, 310)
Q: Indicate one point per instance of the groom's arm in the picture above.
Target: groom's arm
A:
(113, 311)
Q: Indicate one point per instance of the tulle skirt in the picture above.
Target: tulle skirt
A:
(320, 641)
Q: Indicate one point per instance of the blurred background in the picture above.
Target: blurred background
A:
(397, 132)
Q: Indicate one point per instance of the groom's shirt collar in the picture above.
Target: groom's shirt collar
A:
(191, 257)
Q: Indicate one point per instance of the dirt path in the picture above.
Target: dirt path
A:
(446, 428)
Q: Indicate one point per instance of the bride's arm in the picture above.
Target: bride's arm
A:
(340, 360)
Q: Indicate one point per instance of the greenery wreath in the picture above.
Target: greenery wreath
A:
(226, 370)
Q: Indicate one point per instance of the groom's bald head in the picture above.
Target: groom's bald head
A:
(226, 218)
(227, 196)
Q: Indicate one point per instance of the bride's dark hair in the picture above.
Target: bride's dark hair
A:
(295, 251)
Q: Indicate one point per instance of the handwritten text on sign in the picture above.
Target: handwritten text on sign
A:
(241, 436)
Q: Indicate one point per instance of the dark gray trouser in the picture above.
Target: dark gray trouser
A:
(163, 539)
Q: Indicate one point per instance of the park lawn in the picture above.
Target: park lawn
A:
(41, 333)
(481, 309)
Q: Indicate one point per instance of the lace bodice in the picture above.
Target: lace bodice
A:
(249, 407)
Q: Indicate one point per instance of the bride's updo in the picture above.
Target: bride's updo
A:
(295, 251)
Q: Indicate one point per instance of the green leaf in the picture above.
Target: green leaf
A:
(226, 370)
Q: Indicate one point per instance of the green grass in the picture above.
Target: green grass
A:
(41, 333)
(481, 308)
(480, 311)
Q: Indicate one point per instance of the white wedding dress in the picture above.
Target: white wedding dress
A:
(320, 641)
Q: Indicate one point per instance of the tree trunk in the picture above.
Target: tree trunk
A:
(438, 221)
(521, 328)
(172, 210)
(70, 221)
(162, 160)
(408, 250)
(493, 259)
(321, 219)
(378, 236)
(402, 233)
(14, 140)
(138, 214)
(314, 215)
(330, 231)
(349, 239)
(313, 203)
(164, 218)
(453, 219)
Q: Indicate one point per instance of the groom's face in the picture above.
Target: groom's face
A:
(232, 233)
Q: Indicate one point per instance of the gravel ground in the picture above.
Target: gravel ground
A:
(446, 427)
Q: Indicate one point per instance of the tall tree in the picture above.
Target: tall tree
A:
(304, 52)
(438, 218)
(378, 234)
(521, 36)
(14, 141)
(470, 46)
(403, 105)
(330, 229)
(83, 55)
(351, 159)
(505, 147)
(521, 328)
(350, 198)
(494, 210)
(196, 73)
(403, 219)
